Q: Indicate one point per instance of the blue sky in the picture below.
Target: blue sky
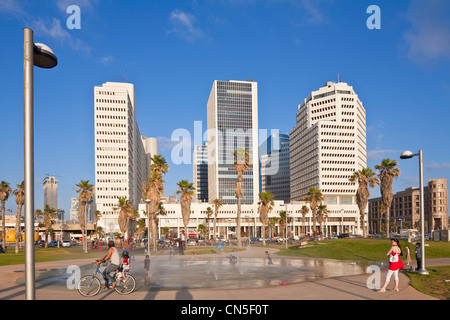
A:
(172, 51)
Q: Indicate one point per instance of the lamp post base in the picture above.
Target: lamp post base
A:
(423, 272)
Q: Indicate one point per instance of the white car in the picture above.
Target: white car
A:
(67, 243)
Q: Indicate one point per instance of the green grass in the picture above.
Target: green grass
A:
(433, 284)
(361, 249)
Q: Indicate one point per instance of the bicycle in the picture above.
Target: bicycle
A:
(90, 285)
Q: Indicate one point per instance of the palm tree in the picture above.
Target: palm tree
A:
(19, 193)
(186, 190)
(97, 216)
(209, 212)
(265, 206)
(49, 214)
(153, 189)
(86, 191)
(5, 191)
(322, 214)
(217, 205)
(314, 197)
(304, 211)
(283, 222)
(271, 223)
(387, 172)
(241, 163)
(125, 207)
(365, 178)
(38, 217)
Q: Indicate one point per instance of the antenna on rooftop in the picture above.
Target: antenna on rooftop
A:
(125, 76)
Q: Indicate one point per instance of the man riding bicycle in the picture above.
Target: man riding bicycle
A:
(113, 255)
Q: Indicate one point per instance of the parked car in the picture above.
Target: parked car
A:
(53, 243)
(191, 242)
(280, 239)
(67, 243)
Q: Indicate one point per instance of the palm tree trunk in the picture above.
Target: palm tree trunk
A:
(314, 225)
(3, 224)
(214, 231)
(238, 223)
(17, 229)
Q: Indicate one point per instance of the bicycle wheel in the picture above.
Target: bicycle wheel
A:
(89, 286)
(126, 286)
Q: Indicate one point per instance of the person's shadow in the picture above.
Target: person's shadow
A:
(183, 294)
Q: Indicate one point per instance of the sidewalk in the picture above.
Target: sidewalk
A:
(339, 288)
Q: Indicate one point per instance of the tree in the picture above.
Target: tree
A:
(322, 214)
(217, 205)
(152, 190)
(304, 211)
(186, 190)
(265, 206)
(365, 178)
(314, 197)
(271, 223)
(49, 216)
(19, 193)
(125, 208)
(209, 212)
(241, 163)
(86, 193)
(283, 222)
(5, 191)
(387, 172)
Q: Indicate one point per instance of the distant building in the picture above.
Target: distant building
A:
(50, 192)
(122, 155)
(232, 113)
(327, 145)
(405, 208)
(275, 173)
(200, 173)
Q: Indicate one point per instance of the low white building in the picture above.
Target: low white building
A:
(341, 219)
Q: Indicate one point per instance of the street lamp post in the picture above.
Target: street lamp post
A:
(148, 226)
(409, 155)
(41, 56)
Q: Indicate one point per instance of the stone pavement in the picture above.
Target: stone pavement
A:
(338, 288)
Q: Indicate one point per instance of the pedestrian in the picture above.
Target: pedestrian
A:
(147, 269)
(408, 255)
(395, 264)
(219, 247)
(418, 253)
(269, 259)
(182, 242)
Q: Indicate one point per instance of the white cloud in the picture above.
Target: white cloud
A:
(380, 154)
(183, 25)
(107, 59)
(438, 166)
(429, 36)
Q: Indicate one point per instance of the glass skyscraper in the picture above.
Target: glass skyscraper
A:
(232, 125)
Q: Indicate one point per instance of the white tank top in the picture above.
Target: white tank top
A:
(115, 258)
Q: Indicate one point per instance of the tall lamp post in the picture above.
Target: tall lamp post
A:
(409, 155)
(148, 226)
(41, 56)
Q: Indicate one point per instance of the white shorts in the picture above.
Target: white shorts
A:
(390, 273)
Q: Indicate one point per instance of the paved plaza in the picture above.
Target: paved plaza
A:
(279, 282)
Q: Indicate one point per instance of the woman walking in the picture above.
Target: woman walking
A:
(395, 264)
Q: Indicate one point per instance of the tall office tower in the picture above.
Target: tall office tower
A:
(275, 173)
(232, 126)
(200, 173)
(328, 144)
(120, 153)
(50, 192)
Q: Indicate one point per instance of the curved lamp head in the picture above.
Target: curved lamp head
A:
(407, 155)
(44, 56)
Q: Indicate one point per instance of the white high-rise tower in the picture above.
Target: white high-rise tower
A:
(327, 145)
(121, 153)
